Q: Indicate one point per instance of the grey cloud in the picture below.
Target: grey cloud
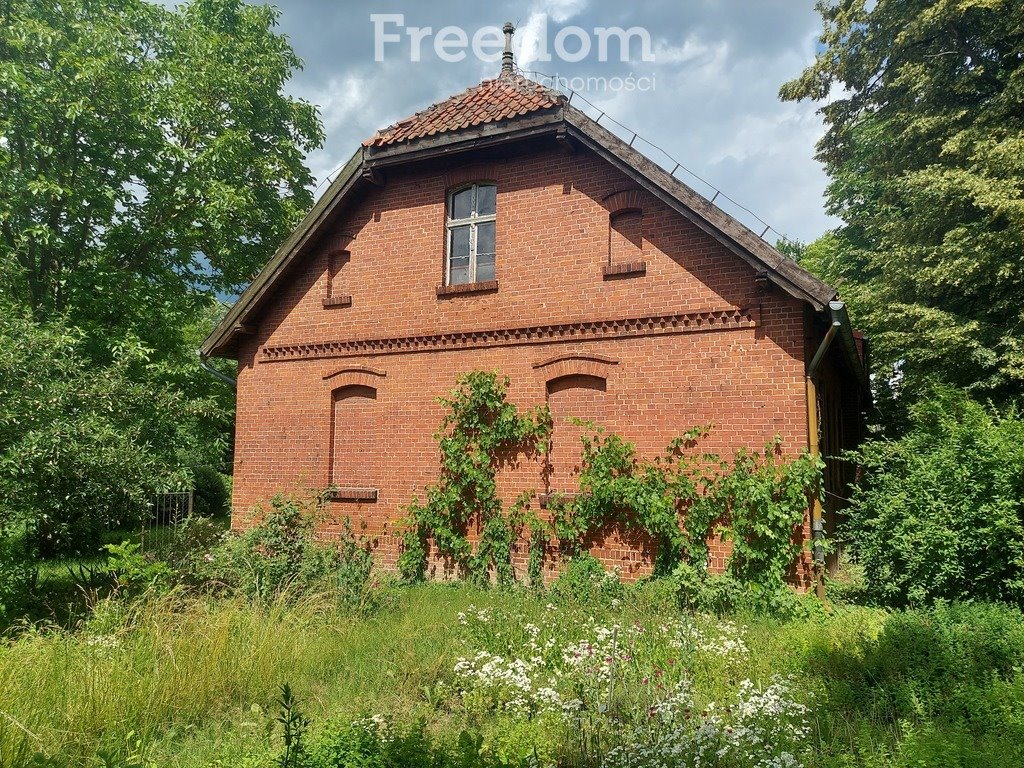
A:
(714, 106)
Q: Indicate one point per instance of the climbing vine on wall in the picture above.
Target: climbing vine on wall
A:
(681, 499)
(617, 488)
(481, 431)
(764, 498)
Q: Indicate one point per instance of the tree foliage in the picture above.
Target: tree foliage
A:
(83, 447)
(940, 514)
(150, 162)
(147, 154)
(924, 103)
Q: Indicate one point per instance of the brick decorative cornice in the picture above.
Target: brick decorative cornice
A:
(588, 330)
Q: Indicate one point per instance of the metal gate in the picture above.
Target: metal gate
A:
(166, 512)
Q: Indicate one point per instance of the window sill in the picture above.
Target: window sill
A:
(337, 301)
(353, 494)
(487, 286)
(631, 269)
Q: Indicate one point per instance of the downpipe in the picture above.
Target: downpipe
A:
(836, 309)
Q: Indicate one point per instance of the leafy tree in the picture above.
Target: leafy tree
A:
(924, 103)
(83, 447)
(149, 163)
(148, 156)
(940, 514)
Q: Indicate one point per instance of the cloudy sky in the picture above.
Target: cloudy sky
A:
(713, 107)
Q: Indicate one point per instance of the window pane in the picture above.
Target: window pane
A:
(485, 238)
(485, 200)
(460, 242)
(485, 268)
(458, 271)
(462, 204)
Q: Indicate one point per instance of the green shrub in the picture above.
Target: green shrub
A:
(211, 496)
(186, 559)
(585, 581)
(376, 743)
(940, 514)
(195, 541)
(947, 646)
(84, 445)
(136, 571)
(724, 594)
(17, 576)
(952, 663)
(280, 556)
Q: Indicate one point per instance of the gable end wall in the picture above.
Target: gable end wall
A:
(688, 340)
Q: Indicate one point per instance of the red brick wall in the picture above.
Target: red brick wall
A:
(695, 358)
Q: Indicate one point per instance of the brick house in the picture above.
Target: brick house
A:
(503, 229)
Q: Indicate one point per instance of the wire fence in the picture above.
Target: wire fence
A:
(166, 512)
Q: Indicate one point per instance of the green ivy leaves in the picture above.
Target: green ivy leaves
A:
(681, 499)
(480, 432)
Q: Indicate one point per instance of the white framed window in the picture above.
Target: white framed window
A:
(471, 217)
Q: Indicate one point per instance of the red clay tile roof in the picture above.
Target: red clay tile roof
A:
(503, 98)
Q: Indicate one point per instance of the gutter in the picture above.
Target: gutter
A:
(205, 365)
(840, 325)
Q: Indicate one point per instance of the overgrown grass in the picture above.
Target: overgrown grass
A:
(196, 679)
(192, 682)
(66, 586)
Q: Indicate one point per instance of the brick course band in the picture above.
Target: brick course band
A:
(660, 325)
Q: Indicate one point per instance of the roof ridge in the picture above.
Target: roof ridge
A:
(491, 100)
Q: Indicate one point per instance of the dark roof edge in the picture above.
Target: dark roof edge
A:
(852, 356)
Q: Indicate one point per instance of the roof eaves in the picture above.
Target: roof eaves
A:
(448, 142)
(308, 228)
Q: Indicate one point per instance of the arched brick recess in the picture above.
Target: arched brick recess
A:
(335, 296)
(625, 237)
(469, 173)
(355, 375)
(355, 437)
(572, 396)
(336, 255)
(626, 200)
(574, 363)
